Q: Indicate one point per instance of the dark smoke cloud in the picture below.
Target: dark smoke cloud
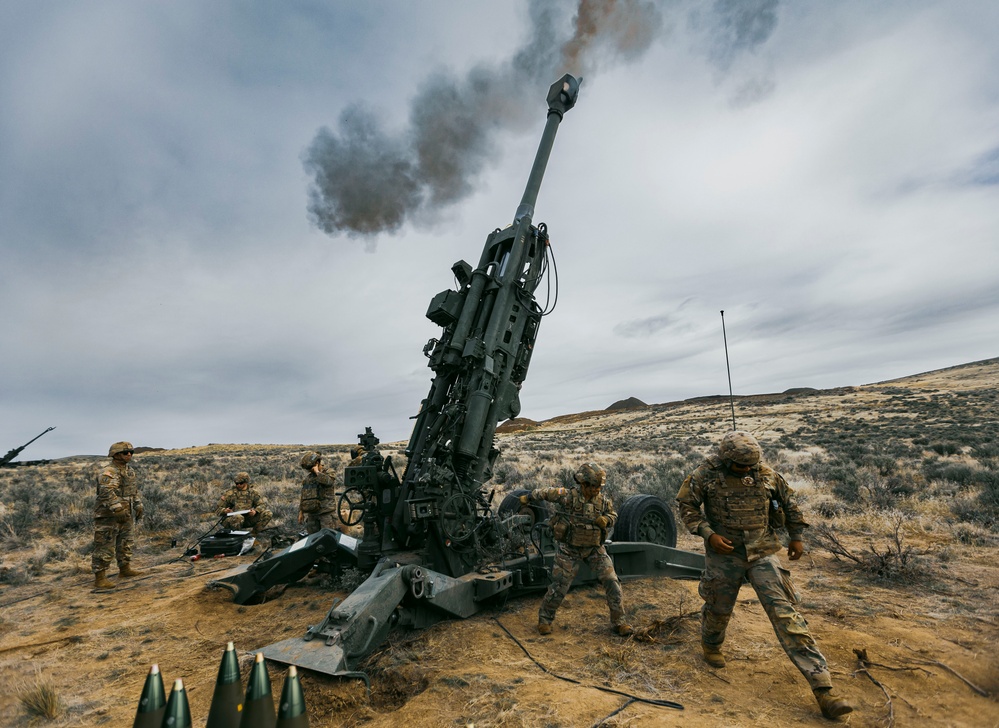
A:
(366, 183)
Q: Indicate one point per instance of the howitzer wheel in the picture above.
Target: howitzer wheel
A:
(354, 502)
(646, 518)
(458, 517)
(511, 505)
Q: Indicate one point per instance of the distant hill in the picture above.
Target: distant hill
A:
(630, 403)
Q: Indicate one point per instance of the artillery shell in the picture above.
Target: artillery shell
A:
(258, 707)
(152, 702)
(178, 712)
(227, 701)
(291, 711)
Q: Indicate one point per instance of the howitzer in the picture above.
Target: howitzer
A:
(432, 542)
(11, 454)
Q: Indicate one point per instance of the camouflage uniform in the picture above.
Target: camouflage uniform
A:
(318, 502)
(745, 510)
(578, 539)
(236, 499)
(118, 502)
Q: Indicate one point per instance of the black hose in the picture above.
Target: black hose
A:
(632, 698)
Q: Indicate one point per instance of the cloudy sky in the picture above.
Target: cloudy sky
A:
(223, 222)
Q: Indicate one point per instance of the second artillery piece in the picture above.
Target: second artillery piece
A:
(433, 543)
(11, 454)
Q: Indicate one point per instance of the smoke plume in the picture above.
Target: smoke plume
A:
(365, 182)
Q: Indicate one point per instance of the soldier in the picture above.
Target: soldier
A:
(242, 497)
(118, 502)
(580, 525)
(744, 501)
(317, 507)
(357, 454)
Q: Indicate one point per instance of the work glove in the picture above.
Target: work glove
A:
(601, 522)
(122, 516)
(525, 499)
(139, 511)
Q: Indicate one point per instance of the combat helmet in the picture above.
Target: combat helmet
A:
(119, 447)
(590, 474)
(310, 460)
(241, 478)
(740, 448)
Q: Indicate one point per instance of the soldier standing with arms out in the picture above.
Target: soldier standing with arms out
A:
(743, 501)
(317, 506)
(243, 497)
(118, 501)
(580, 525)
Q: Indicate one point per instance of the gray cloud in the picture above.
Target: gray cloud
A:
(160, 282)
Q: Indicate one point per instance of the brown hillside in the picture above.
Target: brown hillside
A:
(900, 480)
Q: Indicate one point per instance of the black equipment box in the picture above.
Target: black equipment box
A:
(224, 543)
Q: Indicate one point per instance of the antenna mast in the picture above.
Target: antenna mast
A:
(728, 369)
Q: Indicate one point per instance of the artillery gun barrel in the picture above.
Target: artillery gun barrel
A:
(11, 454)
(561, 97)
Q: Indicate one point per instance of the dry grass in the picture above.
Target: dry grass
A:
(41, 700)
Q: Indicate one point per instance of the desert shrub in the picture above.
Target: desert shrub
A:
(828, 508)
(164, 506)
(844, 476)
(935, 469)
(945, 448)
(14, 575)
(788, 442)
(75, 519)
(349, 579)
(566, 478)
(41, 700)
(985, 450)
(36, 505)
(988, 497)
(972, 534)
(892, 561)
(885, 491)
(663, 477)
(883, 464)
(41, 555)
(506, 473)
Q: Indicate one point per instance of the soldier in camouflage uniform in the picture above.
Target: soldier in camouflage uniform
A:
(744, 501)
(118, 503)
(318, 504)
(243, 497)
(582, 519)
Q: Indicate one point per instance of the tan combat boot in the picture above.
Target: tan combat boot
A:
(101, 580)
(713, 655)
(832, 707)
(624, 629)
(544, 628)
(126, 570)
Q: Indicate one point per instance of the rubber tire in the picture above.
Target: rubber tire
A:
(510, 505)
(646, 518)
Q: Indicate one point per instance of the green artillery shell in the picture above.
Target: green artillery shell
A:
(258, 707)
(227, 701)
(178, 712)
(152, 703)
(291, 712)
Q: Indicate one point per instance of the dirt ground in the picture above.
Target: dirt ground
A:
(930, 653)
